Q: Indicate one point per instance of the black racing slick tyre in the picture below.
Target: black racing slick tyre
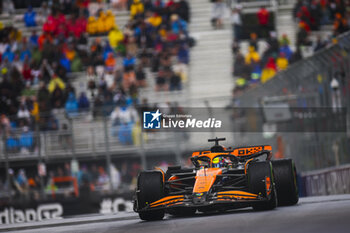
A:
(258, 172)
(286, 182)
(150, 188)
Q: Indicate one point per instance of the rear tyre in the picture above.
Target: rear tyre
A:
(286, 182)
(258, 172)
(150, 188)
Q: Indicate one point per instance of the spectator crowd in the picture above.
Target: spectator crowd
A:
(26, 184)
(259, 65)
(82, 38)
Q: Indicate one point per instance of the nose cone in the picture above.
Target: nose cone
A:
(199, 198)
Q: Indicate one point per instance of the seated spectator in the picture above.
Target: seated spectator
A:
(8, 55)
(76, 65)
(23, 112)
(22, 181)
(129, 63)
(183, 54)
(340, 24)
(103, 179)
(110, 61)
(57, 98)
(178, 24)
(34, 39)
(286, 50)
(91, 26)
(254, 41)
(155, 20)
(282, 62)
(129, 79)
(29, 17)
(273, 45)
(65, 62)
(236, 21)
(5, 124)
(263, 19)
(43, 93)
(302, 35)
(182, 70)
(140, 76)
(161, 81)
(35, 110)
(284, 40)
(269, 71)
(56, 81)
(218, 11)
(71, 105)
(69, 52)
(83, 102)
(109, 21)
(256, 72)
(28, 91)
(252, 56)
(240, 66)
(91, 80)
(174, 82)
(27, 73)
(79, 27)
(25, 54)
(136, 9)
(101, 26)
(115, 36)
(183, 10)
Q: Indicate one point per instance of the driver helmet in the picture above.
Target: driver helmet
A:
(218, 162)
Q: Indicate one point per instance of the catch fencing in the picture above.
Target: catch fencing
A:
(321, 81)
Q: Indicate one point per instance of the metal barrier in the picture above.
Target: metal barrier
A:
(81, 136)
(328, 181)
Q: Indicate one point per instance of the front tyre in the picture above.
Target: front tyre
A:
(286, 182)
(150, 188)
(261, 182)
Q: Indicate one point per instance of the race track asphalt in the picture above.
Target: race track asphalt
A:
(320, 215)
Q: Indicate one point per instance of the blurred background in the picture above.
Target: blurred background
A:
(76, 75)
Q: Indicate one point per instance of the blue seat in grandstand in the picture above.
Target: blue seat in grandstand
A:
(12, 143)
(29, 18)
(26, 140)
(71, 105)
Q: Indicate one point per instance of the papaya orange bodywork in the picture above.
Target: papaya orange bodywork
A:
(243, 151)
(167, 200)
(236, 195)
(268, 185)
(205, 179)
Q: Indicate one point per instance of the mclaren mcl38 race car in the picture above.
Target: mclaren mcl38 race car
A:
(221, 179)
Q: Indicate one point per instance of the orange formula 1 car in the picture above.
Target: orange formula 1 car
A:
(220, 180)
